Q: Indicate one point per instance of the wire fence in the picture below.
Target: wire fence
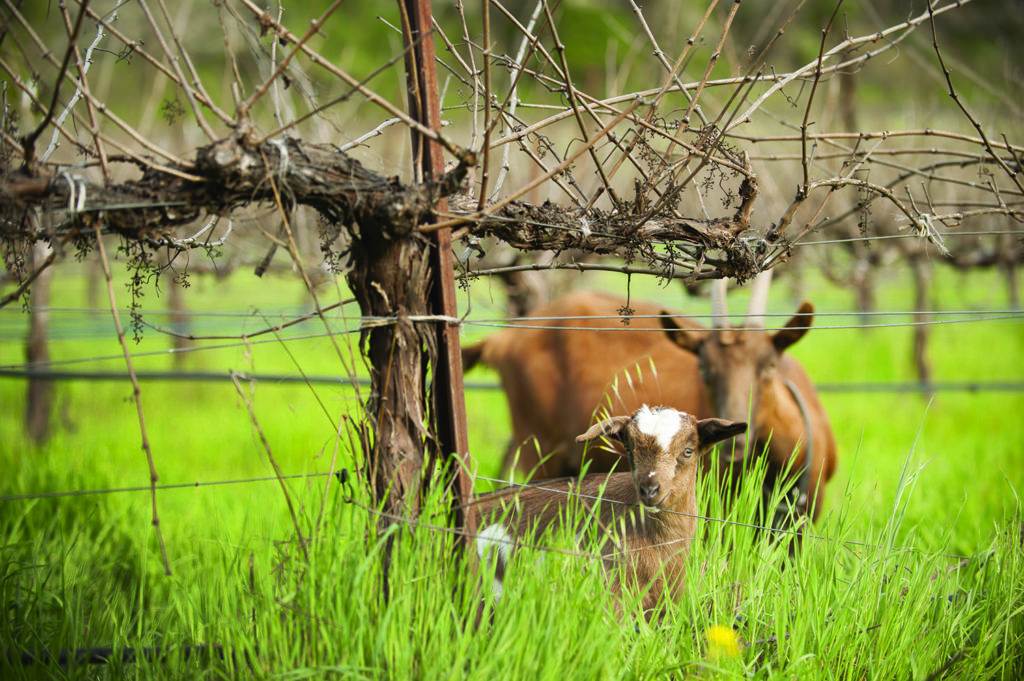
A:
(342, 476)
(33, 496)
(289, 317)
(344, 381)
(909, 235)
(946, 317)
(508, 322)
(625, 327)
(186, 324)
(801, 532)
(520, 323)
(294, 313)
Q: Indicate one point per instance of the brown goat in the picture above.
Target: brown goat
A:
(648, 516)
(558, 377)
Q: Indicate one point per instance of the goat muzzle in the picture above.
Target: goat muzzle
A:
(649, 493)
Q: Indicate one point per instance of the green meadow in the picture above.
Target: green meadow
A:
(915, 570)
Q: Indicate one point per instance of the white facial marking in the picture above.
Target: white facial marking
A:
(650, 474)
(661, 422)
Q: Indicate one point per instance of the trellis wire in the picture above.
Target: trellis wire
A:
(970, 386)
(548, 225)
(160, 487)
(932, 322)
(178, 351)
(297, 314)
(881, 237)
(61, 332)
(744, 315)
(469, 322)
(340, 475)
(876, 237)
(278, 314)
(736, 523)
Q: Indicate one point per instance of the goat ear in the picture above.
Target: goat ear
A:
(611, 427)
(688, 339)
(711, 431)
(795, 328)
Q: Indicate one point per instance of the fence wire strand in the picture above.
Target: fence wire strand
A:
(415, 522)
(368, 322)
(969, 386)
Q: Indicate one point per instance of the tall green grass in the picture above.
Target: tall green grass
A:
(877, 590)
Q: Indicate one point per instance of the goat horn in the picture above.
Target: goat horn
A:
(719, 309)
(759, 298)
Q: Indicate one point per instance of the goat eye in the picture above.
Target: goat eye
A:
(688, 452)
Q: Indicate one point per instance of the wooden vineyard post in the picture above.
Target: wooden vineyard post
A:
(449, 408)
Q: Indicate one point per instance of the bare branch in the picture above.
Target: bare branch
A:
(485, 170)
(369, 135)
(273, 463)
(181, 80)
(243, 109)
(570, 91)
(512, 100)
(266, 20)
(814, 88)
(17, 293)
(136, 395)
(83, 86)
(1014, 174)
(230, 174)
(28, 143)
(536, 182)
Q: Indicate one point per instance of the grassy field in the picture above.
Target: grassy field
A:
(916, 568)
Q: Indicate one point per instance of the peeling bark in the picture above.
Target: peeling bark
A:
(232, 174)
(391, 278)
(626, 233)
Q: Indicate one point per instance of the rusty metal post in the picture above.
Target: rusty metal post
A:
(425, 107)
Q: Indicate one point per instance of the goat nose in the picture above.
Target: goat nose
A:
(649, 491)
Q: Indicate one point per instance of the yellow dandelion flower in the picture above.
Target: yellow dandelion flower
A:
(722, 642)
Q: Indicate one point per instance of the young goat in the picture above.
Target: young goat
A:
(648, 515)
